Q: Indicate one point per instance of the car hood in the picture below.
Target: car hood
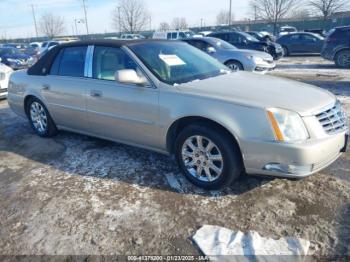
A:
(5, 68)
(262, 91)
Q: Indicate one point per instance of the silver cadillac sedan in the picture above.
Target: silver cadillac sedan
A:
(172, 98)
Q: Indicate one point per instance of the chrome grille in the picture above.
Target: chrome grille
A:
(333, 120)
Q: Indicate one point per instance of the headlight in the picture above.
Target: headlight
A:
(13, 60)
(2, 76)
(258, 60)
(287, 126)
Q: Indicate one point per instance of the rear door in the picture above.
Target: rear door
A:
(123, 112)
(64, 89)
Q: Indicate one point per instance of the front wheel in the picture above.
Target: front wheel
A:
(40, 119)
(342, 59)
(234, 65)
(209, 159)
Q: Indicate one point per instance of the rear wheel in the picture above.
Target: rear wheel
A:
(342, 59)
(40, 119)
(234, 65)
(209, 159)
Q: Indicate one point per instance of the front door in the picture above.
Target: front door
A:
(122, 112)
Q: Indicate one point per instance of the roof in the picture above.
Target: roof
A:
(111, 42)
(343, 27)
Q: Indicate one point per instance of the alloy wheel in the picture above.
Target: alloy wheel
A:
(202, 158)
(38, 117)
(344, 59)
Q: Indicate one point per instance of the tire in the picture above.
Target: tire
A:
(285, 51)
(40, 119)
(221, 172)
(342, 59)
(234, 65)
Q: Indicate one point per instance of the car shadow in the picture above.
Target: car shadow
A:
(85, 156)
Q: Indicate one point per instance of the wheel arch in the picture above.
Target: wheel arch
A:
(177, 126)
(234, 60)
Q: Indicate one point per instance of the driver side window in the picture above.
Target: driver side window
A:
(108, 60)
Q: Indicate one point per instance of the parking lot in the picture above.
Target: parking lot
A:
(77, 195)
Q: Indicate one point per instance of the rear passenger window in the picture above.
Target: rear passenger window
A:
(108, 60)
(70, 62)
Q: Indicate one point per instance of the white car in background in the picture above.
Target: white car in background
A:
(173, 34)
(5, 73)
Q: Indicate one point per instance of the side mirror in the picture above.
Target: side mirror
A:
(129, 76)
(211, 50)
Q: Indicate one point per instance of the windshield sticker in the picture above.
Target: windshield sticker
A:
(172, 60)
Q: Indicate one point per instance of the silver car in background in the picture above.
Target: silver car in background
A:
(170, 97)
(234, 58)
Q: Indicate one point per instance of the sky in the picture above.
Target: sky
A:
(16, 19)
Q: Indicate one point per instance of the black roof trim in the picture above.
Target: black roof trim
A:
(42, 67)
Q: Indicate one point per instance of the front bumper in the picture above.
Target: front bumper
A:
(295, 160)
(263, 68)
(3, 93)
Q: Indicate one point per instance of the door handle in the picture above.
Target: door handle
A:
(95, 93)
(45, 87)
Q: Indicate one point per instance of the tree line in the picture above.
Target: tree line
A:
(133, 15)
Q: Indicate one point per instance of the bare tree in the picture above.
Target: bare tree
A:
(163, 26)
(130, 16)
(179, 23)
(273, 10)
(328, 7)
(223, 18)
(51, 25)
(300, 14)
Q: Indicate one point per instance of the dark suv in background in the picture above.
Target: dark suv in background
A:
(337, 46)
(243, 40)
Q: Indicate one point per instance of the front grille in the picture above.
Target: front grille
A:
(333, 120)
(4, 90)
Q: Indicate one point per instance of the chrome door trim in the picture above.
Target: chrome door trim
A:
(88, 61)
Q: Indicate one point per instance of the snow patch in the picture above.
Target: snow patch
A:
(219, 241)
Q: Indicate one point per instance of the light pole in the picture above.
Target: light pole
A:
(230, 13)
(85, 14)
(202, 23)
(76, 26)
(34, 18)
(119, 21)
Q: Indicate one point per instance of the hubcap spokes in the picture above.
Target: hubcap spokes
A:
(202, 158)
(345, 60)
(38, 117)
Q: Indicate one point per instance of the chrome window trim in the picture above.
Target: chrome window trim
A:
(88, 61)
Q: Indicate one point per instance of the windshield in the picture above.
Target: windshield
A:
(249, 37)
(10, 51)
(222, 44)
(177, 62)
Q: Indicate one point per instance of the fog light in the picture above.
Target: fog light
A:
(288, 169)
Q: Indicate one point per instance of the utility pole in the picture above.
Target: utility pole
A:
(119, 21)
(76, 26)
(202, 23)
(85, 14)
(34, 18)
(230, 14)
